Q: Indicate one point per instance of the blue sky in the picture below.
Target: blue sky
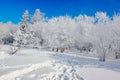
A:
(12, 10)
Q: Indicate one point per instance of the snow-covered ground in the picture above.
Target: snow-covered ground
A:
(34, 64)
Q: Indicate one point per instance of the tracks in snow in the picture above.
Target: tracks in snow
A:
(61, 72)
(12, 75)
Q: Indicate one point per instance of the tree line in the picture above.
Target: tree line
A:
(99, 33)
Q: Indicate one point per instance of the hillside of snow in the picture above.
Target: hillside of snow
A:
(39, 64)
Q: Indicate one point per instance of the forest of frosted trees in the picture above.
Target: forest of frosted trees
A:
(99, 33)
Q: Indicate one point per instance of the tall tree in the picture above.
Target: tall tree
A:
(21, 35)
(38, 16)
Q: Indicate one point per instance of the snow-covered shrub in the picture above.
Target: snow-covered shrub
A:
(6, 31)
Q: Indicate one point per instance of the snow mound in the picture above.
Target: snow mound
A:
(63, 72)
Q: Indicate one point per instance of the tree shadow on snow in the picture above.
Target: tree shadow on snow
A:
(85, 62)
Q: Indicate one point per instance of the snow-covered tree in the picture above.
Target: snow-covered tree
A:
(37, 17)
(21, 36)
(101, 36)
(38, 22)
(36, 39)
(61, 32)
(85, 24)
(115, 35)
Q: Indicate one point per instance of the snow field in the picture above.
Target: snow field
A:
(33, 64)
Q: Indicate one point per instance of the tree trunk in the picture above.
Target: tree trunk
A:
(52, 49)
(15, 50)
(57, 49)
(62, 50)
(102, 57)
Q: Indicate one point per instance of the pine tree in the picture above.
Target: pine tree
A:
(21, 36)
(38, 16)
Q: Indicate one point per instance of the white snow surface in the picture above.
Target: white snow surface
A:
(37, 64)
